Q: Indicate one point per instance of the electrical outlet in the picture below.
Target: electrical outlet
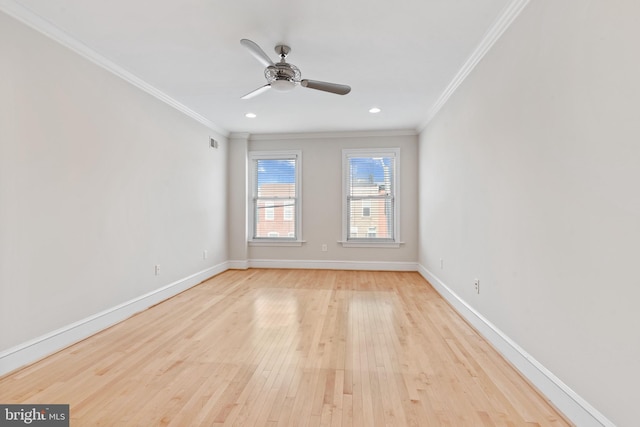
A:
(476, 283)
(157, 270)
(324, 247)
(205, 254)
(441, 264)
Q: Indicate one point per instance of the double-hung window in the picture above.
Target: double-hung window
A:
(370, 197)
(275, 196)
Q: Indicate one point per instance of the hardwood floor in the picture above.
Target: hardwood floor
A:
(288, 347)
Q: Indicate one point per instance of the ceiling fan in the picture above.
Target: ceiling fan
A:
(283, 76)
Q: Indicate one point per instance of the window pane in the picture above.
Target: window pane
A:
(271, 220)
(370, 198)
(371, 175)
(276, 178)
(378, 222)
(275, 199)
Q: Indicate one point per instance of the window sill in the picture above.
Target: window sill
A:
(266, 242)
(347, 244)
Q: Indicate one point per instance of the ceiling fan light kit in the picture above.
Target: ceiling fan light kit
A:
(283, 76)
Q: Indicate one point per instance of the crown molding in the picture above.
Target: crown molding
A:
(504, 20)
(332, 135)
(34, 21)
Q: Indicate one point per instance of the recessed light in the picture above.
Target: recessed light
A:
(250, 115)
(374, 110)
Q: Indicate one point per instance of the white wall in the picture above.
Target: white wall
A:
(322, 201)
(99, 182)
(529, 181)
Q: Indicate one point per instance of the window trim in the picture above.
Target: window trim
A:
(297, 214)
(371, 152)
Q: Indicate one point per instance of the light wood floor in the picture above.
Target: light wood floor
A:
(288, 347)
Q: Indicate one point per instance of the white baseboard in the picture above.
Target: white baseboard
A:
(35, 349)
(333, 265)
(574, 407)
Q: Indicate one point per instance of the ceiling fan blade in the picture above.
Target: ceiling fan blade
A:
(327, 87)
(257, 52)
(257, 92)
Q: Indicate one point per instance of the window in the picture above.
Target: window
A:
(370, 197)
(288, 213)
(366, 208)
(275, 196)
(269, 213)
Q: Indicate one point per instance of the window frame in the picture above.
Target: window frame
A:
(361, 242)
(254, 156)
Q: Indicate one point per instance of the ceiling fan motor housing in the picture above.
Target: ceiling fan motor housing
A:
(282, 76)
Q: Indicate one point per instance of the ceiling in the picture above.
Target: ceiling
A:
(399, 56)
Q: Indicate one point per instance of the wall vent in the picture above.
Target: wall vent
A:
(213, 143)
